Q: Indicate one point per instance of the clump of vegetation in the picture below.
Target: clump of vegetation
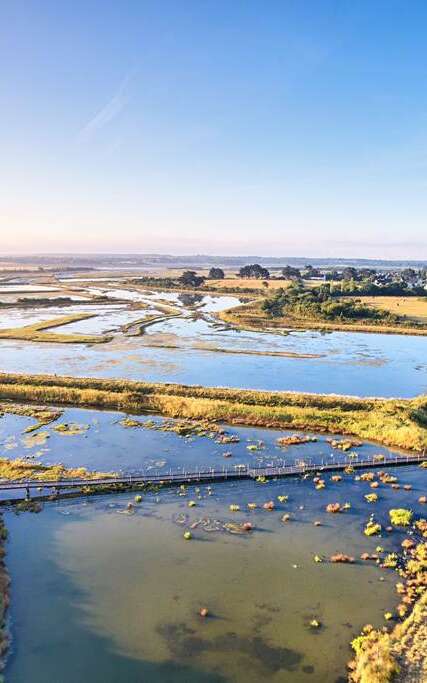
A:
(295, 440)
(319, 303)
(400, 517)
(15, 470)
(71, 428)
(372, 528)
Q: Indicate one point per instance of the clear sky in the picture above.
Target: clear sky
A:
(271, 127)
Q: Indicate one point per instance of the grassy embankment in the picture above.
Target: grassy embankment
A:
(401, 654)
(36, 331)
(252, 317)
(400, 423)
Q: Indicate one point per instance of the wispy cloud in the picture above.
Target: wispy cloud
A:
(108, 113)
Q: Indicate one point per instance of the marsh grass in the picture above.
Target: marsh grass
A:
(36, 332)
(252, 317)
(392, 422)
(14, 470)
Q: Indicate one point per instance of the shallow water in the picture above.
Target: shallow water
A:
(120, 593)
(105, 444)
(343, 362)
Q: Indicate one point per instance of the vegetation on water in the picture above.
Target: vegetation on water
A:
(36, 332)
(398, 423)
(43, 416)
(14, 470)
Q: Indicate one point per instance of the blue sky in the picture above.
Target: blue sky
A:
(291, 127)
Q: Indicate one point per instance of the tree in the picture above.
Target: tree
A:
(311, 272)
(254, 271)
(189, 278)
(216, 274)
(290, 273)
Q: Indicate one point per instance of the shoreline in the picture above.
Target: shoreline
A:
(398, 423)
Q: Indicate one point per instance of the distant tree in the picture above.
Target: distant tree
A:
(189, 278)
(265, 284)
(311, 272)
(350, 273)
(216, 274)
(290, 273)
(254, 271)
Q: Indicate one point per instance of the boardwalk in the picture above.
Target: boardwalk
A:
(238, 472)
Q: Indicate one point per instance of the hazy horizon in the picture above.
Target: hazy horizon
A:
(215, 128)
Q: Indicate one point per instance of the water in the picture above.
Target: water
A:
(105, 596)
(120, 594)
(193, 350)
(105, 444)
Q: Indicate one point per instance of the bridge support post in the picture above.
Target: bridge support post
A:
(27, 493)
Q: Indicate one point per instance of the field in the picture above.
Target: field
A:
(414, 308)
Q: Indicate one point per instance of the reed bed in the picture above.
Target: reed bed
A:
(399, 423)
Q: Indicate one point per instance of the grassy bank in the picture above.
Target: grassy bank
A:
(400, 423)
(36, 331)
(399, 655)
(252, 317)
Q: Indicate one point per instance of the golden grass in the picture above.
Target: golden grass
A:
(251, 317)
(14, 470)
(400, 423)
(397, 656)
(414, 308)
(35, 332)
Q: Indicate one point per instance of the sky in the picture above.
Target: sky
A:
(278, 127)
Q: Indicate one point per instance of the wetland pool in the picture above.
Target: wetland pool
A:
(102, 594)
(196, 348)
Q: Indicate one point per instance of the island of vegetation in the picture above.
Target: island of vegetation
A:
(322, 307)
(36, 331)
(400, 423)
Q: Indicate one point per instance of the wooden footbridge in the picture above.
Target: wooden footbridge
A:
(115, 484)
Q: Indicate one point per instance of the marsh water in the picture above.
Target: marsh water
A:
(196, 348)
(102, 593)
(108, 593)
